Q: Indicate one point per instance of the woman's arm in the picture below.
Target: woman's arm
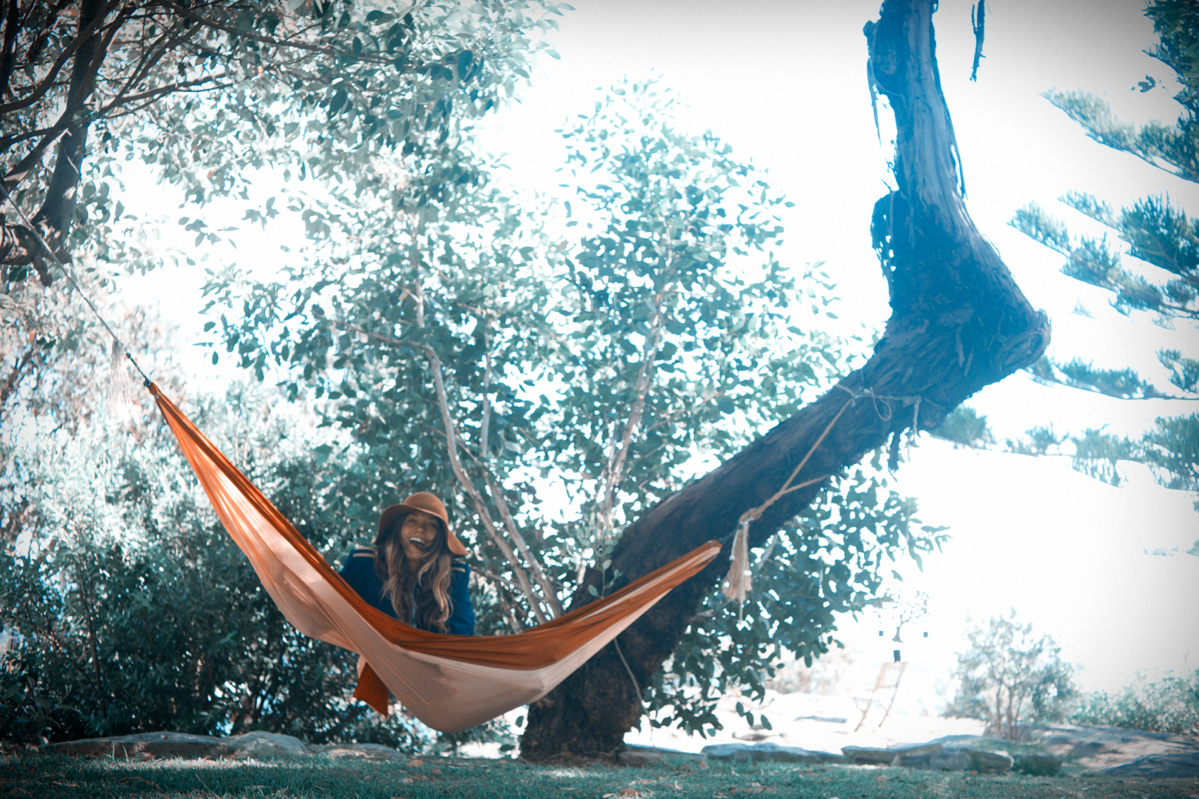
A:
(462, 614)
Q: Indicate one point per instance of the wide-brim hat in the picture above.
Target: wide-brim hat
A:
(422, 502)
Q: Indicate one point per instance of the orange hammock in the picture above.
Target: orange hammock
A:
(451, 683)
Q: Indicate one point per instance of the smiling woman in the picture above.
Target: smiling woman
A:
(416, 571)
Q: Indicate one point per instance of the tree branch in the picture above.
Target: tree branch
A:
(615, 467)
(12, 25)
(311, 48)
(86, 32)
(549, 590)
(53, 220)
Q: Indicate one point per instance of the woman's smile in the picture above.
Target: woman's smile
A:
(418, 534)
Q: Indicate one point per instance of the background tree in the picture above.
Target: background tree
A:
(208, 92)
(1010, 676)
(71, 69)
(131, 609)
(205, 92)
(1169, 705)
(1150, 269)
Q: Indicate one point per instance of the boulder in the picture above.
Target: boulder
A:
(1037, 765)
(365, 751)
(989, 762)
(1159, 766)
(944, 760)
(950, 760)
(143, 745)
(773, 752)
(891, 755)
(634, 755)
(265, 745)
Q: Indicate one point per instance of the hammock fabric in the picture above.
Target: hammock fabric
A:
(451, 683)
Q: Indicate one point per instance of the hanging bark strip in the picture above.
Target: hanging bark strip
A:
(959, 322)
(978, 18)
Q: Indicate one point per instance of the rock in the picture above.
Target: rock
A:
(950, 760)
(989, 762)
(265, 744)
(1161, 766)
(944, 760)
(1037, 765)
(939, 755)
(651, 756)
(365, 751)
(769, 752)
(890, 755)
(1083, 749)
(143, 746)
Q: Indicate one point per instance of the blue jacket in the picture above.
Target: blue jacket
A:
(359, 572)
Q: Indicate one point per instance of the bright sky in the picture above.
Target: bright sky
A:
(784, 82)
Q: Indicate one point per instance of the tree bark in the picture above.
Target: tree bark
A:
(959, 322)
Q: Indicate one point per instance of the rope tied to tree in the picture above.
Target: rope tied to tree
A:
(739, 580)
(119, 347)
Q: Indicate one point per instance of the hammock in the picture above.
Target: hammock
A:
(451, 683)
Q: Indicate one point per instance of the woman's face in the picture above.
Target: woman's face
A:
(419, 537)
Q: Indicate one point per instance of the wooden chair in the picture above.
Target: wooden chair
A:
(883, 695)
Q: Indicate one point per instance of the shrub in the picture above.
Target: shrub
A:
(1170, 705)
(1010, 676)
(133, 611)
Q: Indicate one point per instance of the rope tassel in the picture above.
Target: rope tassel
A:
(738, 581)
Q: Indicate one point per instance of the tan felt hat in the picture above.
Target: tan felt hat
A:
(422, 502)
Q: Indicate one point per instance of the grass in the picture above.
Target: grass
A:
(55, 776)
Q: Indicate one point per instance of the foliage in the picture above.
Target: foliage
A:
(1010, 676)
(211, 91)
(1169, 705)
(964, 427)
(457, 339)
(206, 93)
(132, 609)
(1162, 280)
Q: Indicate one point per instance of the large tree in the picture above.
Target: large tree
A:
(124, 71)
(474, 352)
(958, 323)
(443, 276)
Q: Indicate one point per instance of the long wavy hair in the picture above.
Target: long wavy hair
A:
(430, 585)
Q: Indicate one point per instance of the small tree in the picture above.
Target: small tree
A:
(1010, 676)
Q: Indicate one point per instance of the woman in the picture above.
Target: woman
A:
(416, 571)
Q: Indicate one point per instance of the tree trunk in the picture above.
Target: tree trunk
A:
(19, 244)
(959, 322)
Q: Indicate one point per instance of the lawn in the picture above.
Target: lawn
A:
(55, 776)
